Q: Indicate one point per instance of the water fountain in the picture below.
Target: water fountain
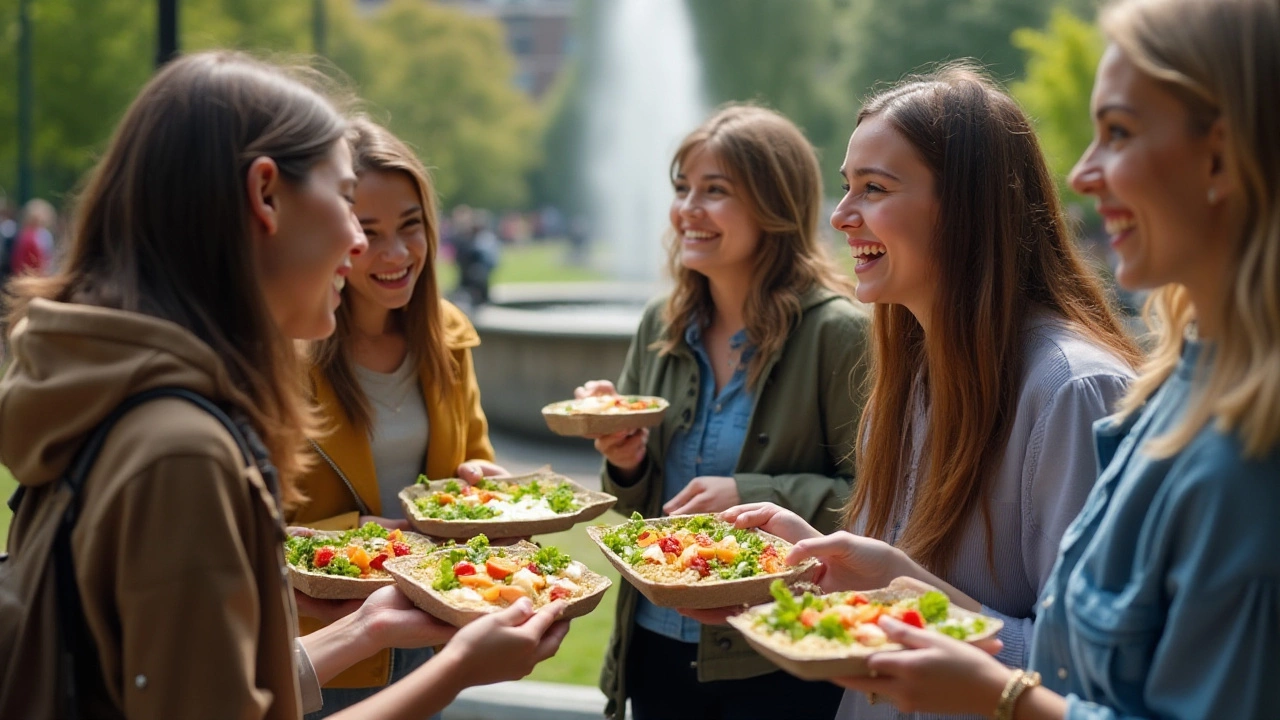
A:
(541, 341)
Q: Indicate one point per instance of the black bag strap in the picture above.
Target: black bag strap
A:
(74, 632)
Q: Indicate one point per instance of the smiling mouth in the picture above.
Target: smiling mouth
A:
(1119, 225)
(865, 254)
(697, 235)
(391, 277)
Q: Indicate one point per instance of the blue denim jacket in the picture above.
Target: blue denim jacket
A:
(1165, 599)
(710, 447)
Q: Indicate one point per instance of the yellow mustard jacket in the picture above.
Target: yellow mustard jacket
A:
(345, 469)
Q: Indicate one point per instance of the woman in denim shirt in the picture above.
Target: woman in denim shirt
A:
(1165, 598)
(756, 349)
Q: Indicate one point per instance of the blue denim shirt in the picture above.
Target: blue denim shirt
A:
(710, 447)
(1165, 598)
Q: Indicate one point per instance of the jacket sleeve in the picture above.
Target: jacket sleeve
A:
(633, 496)
(478, 445)
(838, 388)
(184, 593)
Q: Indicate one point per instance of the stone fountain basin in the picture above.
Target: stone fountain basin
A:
(539, 341)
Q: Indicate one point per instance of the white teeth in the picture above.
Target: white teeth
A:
(697, 235)
(392, 277)
(867, 251)
(339, 282)
(1115, 225)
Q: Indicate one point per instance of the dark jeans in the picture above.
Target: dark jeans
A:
(663, 685)
(403, 662)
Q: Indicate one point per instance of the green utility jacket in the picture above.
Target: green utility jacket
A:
(797, 452)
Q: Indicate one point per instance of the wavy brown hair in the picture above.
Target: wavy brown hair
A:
(375, 150)
(767, 156)
(1222, 61)
(1002, 248)
(162, 227)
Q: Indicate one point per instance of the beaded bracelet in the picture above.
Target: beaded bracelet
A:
(1018, 683)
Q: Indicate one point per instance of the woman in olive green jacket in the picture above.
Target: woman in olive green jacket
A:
(758, 350)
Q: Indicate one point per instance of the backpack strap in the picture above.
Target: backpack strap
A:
(74, 630)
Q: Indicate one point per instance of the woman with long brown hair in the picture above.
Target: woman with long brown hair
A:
(215, 231)
(994, 351)
(1165, 598)
(394, 383)
(758, 350)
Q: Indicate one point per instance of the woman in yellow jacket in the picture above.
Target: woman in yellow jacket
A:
(395, 383)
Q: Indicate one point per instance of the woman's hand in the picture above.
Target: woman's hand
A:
(771, 518)
(936, 674)
(506, 645)
(594, 387)
(473, 471)
(704, 494)
(851, 562)
(390, 619)
(386, 522)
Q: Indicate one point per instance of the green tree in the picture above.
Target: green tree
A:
(1061, 60)
(441, 79)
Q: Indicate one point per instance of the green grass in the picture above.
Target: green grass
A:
(7, 486)
(539, 261)
(582, 653)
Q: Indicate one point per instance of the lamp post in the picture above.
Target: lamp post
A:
(24, 103)
(167, 22)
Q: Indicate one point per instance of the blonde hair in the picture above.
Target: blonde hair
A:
(374, 149)
(1221, 59)
(774, 166)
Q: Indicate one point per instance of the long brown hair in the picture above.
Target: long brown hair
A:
(1222, 61)
(767, 156)
(1002, 248)
(375, 150)
(162, 227)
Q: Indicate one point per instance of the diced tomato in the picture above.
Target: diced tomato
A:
(702, 539)
(499, 567)
(484, 496)
(559, 591)
(911, 616)
(809, 617)
(376, 562)
(395, 536)
(462, 567)
(646, 538)
(323, 557)
(769, 551)
(670, 545)
(445, 498)
(856, 599)
(533, 569)
(700, 564)
(400, 549)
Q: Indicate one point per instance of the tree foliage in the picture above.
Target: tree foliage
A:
(438, 77)
(1061, 60)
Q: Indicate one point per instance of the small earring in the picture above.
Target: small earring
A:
(1213, 195)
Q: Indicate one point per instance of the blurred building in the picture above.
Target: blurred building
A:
(539, 35)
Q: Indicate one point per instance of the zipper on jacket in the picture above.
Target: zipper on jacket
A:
(364, 509)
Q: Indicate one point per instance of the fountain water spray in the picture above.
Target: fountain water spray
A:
(646, 96)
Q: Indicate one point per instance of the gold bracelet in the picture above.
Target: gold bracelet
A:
(1019, 682)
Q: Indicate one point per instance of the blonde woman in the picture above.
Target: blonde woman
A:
(758, 350)
(1165, 598)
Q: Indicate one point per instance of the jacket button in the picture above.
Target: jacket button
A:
(762, 439)
(1062, 673)
(691, 392)
(725, 644)
(687, 414)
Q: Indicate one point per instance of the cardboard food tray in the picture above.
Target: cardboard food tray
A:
(339, 587)
(593, 505)
(848, 662)
(709, 593)
(415, 582)
(586, 424)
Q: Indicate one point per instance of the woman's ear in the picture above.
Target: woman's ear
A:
(263, 185)
(1222, 166)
